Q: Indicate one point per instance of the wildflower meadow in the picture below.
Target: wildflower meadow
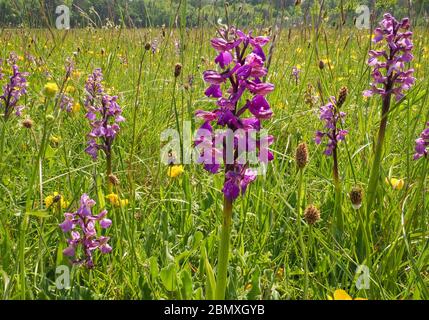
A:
(206, 150)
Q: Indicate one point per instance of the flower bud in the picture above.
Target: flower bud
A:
(321, 65)
(147, 46)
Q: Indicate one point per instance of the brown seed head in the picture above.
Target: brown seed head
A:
(177, 69)
(147, 46)
(342, 96)
(356, 197)
(301, 155)
(114, 180)
(311, 215)
(27, 123)
(321, 65)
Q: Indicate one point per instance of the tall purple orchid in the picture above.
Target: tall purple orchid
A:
(391, 76)
(87, 239)
(239, 90)
(104, 115)
(13, 90)
(333, 118)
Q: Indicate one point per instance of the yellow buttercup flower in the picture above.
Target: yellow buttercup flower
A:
(55, 139)
(56, 198)
(116, 201)
(70, 89)
(342, 295)
(397, 184)
(76, 74)
(50, 89)
(76, 107)
(175, 170)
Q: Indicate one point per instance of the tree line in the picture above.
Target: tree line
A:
(196, 13)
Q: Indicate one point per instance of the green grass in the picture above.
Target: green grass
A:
(165, 242)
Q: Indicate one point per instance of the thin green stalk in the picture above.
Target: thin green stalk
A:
(338, 225)
(2, 142)
(222, 268)
(301, 239)
(375, 170)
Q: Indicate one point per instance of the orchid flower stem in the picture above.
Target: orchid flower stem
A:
(375, 170)
(109, 170)
(338, 225)
(2, 143)
(222, 268)
(300, 235)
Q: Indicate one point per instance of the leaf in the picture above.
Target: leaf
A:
(256, 290)
(198, 237)
(168, 277)
(154, 270)
(39, 214)
(211, 282)
(186, 284)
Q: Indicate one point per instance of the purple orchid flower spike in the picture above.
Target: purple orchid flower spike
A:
(389, 67)
(332, 118)
(242, 66)
(13, 90)
(83, 234)
(422, 144)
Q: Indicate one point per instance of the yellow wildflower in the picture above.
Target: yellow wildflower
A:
(70, 89)
(116, 201)
(397, 184)
(343, 295)
(55, 139)
(175, 170)
(76, 107)
(76, 74)
(56, 198)
(50, 89)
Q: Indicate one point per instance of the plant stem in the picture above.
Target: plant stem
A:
(301, 239)
(109, 168)
(2, 142)
(222, 268)
(338, 224)
(375, 170)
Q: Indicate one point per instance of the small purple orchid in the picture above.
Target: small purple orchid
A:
(295, 73)
(239, 79)
(66, 102)
(104, 115)
(422, 144)
(14, 89)
(390, 75)
(332, 117)
(87, 238)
